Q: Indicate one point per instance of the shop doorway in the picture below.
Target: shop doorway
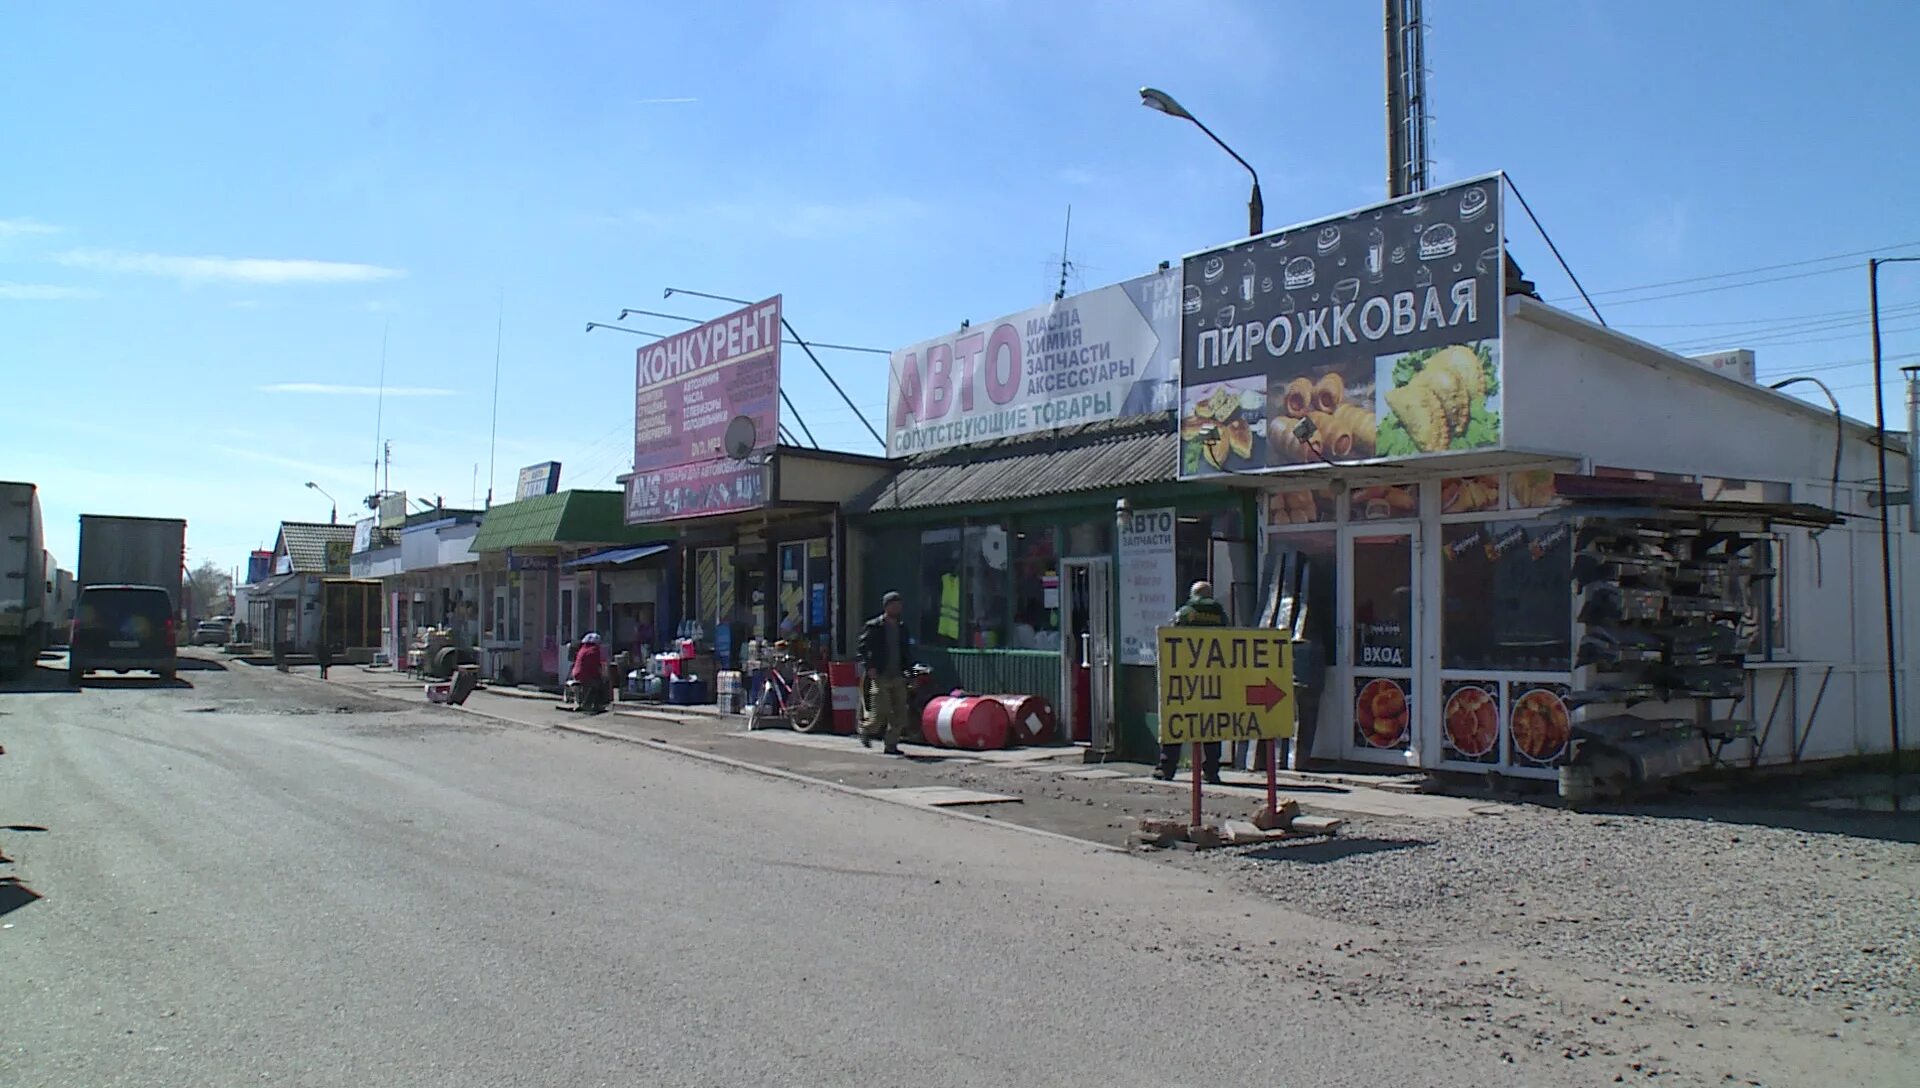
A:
(1382, 667)
(1086, 653)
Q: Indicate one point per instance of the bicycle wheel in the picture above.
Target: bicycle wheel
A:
(807, 705)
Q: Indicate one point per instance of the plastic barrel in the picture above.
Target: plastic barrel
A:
(975, 723)
(1030, 718)
(843, 680)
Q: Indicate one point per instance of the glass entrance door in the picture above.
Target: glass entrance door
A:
(1086, 653)
(1379, 648)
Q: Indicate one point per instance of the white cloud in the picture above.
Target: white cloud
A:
(43, 292)
(228, 269)
(11, 227)
(325, 389)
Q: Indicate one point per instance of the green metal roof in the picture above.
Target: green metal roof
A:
(566, 517)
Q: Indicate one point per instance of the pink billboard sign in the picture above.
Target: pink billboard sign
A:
(720, 486)
(688, 387)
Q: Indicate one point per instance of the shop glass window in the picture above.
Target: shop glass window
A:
(1301, 586)
(1090, 538)
(1765, 618)
(713, 578)
(513, 608)
(1314, 506)
(1192, 553)
(791, 611)
(939, 603)
(1385, 501)
(1036, 589)
(988, 550)
(819, 623)
(1470, 494)
(1383, 601)
(1507, 601)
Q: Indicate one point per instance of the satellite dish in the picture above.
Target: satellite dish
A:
(741, 432)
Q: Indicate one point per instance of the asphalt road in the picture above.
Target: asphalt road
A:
(254, 879)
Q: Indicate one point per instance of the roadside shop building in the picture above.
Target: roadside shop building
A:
(1412, 528)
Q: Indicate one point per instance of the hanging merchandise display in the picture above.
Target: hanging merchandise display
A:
(1667, 611)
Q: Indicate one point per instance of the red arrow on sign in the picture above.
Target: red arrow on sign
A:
(1266, 695)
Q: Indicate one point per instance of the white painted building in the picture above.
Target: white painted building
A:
(1578, 398)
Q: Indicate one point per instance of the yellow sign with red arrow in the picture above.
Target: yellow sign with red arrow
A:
(1224, 684)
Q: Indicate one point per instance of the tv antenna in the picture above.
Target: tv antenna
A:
(1065, 265)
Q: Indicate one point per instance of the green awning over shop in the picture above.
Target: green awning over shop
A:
(566, 517)
(1124, 453)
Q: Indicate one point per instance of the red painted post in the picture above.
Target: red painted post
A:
(1195, 757)
(1273, 775)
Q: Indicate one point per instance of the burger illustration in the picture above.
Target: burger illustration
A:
(1437, 241)
(1298, 273)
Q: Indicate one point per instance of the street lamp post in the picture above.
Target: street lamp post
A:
(1160, 100)
(333, 513)
(1886, 512)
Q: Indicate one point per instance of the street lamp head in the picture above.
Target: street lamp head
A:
(1155, 99)
(313, 485)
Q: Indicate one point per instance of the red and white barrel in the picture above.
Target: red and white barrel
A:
(843, 680)
(975, 723)
(1030, 717)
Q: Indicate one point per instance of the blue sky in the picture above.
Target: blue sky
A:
(212, 213)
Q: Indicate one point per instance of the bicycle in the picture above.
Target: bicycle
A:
(797, 695)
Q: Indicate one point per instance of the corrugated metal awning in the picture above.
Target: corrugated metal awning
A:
(1092, 457)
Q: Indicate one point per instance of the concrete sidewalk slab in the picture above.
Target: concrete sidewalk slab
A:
(937, 796)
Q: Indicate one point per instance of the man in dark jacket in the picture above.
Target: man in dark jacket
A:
(1201, 610)
(887, 653)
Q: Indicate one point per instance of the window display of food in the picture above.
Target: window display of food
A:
(1308, 507)
(1540, 724)
(1469, 494)
(1531, 490)
(1381, 502)
(1471, 720)
(1381, 712)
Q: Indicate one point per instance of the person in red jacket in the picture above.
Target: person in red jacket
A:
(590, 671)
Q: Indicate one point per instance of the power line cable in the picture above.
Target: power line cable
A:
(1745, 271)
(1778, 319)
(1544, 236)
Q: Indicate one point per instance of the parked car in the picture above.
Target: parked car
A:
(213, 632)
(123, 628)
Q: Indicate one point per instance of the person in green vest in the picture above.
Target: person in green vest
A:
(1201, 610)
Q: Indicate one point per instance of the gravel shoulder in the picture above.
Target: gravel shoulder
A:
(1808, 906)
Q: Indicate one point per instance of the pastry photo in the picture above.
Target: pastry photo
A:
(1438, 399)
(1343, 425)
